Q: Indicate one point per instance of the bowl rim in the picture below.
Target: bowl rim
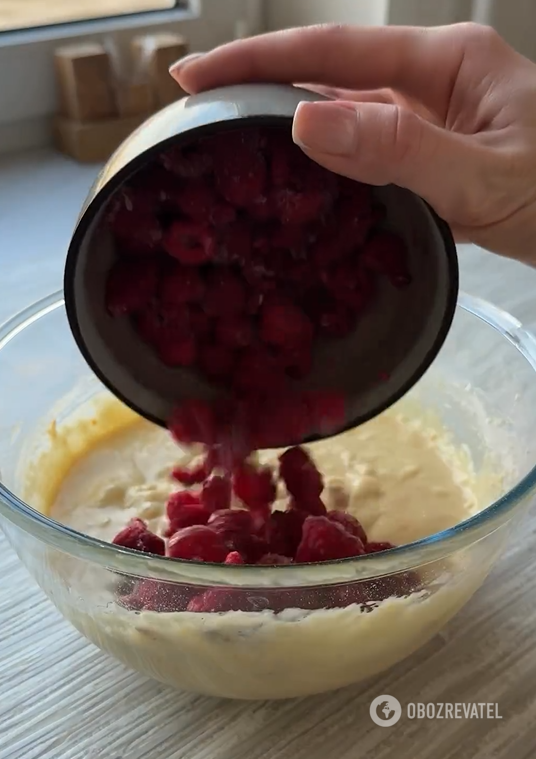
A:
(398, 559)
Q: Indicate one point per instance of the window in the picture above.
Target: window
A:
(25, 14)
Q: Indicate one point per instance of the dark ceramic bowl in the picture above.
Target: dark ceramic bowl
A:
(397, 341)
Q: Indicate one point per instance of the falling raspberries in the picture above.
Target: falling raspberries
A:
(235, 257)
(242, 519)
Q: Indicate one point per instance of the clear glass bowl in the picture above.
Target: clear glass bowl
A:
(291, 631)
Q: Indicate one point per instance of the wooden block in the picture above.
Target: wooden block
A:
(85, 81)
(134, 98)
(93, 142)
(154, 54)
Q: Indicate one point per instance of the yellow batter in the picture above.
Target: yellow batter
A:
(403, 479)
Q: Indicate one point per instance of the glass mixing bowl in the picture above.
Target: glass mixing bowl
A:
(289, 630)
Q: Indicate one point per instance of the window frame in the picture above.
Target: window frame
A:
(28, 92)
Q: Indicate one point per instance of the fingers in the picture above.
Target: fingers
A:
(421, 62)
(381, 144)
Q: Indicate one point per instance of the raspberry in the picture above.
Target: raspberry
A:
(190, 162)
(180, 352)
(378, 547)
(196, 475)
(235, 332)
(137, 537)
(285, 418)
(225, 296)
(302, 478)
(263, 208)
(310, 504)
(258, 371)
(285, 531)
(187, 516)
(216, 494)
(324, 540)
(271, 559)
(241, 176)
(234, 558)
(235, 243)
(194, 422)
(285, 326)
(254, 487)
(350, 524)
(298, 363)
(200, 323)
(217, 600)
(130, 286)
(327, 411)
(190, 243)
(236, 528)
(337, 321)
(149, 595)
(386, 254)
(198, 543)
(300, 207)
(177, 502)
(216, 361)
(181, 285)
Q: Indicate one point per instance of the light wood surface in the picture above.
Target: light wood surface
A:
(61, 698)
(21, 14)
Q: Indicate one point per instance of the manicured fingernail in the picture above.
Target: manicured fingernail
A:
(182, 62)
(326, 128)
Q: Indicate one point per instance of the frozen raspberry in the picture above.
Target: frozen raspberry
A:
(234, 558)
(386, 254)
(324, 540)
(138, 537)
(271, 559)
(177, 501)
(378, 547)
(263, 208)
(200, 323)
(181, 285)
(235, 332)
(130, 286)
(309, 504)
(190, 243)
(217, 600)
(337, 321)
(298, 363)
(285, 531)
(187, 515)
(216, 361)
(350, 524)
(303, 480)
(178, 352)
(235, 243)
(196, 475)
(285, 326)
(241, 176)
(258, 371)
(327, 411)
(300, 207)
(191, 162)
(254, 487)
(285, 418)
(226, 294)
(194, 422)
(162, 597)
(216, 494)
(198, 543)
(235, 526)
(351, 285)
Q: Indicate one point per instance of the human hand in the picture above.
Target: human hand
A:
(447, 112)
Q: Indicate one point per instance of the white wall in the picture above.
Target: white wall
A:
(514, 19)
(280, 14)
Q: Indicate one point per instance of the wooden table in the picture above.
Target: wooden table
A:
(61, 698)
(21, 14)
